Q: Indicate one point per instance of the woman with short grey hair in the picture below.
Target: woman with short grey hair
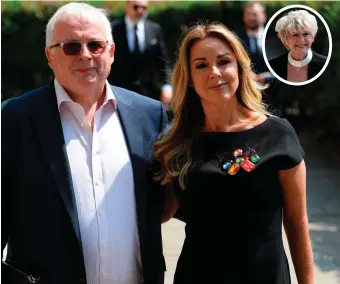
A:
(297, 31)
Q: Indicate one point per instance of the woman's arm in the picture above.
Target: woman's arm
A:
(171, 204)
(295, 220)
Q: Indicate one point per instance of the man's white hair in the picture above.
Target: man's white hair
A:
(81, 11)
(295, 20)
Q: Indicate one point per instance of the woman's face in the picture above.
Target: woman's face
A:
(299, 42)
(213, 69)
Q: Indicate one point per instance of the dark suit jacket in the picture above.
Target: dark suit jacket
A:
(256, 58)
(145, 73)
(39, 214)
(279, 65)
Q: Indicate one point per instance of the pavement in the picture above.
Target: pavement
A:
(323, 205)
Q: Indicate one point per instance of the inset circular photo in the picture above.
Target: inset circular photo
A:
(297, 45)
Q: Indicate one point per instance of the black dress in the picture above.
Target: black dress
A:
(234, 215)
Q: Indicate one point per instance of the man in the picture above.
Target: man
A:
(254, 17)
(141, 60)
(79, 204)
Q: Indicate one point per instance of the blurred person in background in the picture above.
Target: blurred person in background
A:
(141, 63)
(254, 17)
(237, 171)
(297, 31)
(78, 200)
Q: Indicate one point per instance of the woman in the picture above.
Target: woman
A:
(297, 31)
(234, 168)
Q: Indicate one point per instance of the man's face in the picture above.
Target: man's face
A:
(254, 16)
(86, 69)
(136, 10)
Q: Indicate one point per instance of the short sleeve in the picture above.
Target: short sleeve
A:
(290, 151)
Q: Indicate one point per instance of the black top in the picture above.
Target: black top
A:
(279, 65)
(233, 230)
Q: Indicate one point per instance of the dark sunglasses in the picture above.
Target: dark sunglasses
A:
(135, 7)
(74, 47)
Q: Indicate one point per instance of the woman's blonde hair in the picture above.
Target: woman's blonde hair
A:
(177, 148)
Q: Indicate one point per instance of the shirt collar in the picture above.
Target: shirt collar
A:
(257, 34)
(62, 95)
(109, 95)
(131, 24)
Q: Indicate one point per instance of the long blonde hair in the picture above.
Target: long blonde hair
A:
(176, 149)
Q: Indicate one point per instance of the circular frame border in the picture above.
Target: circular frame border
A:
(330, 45)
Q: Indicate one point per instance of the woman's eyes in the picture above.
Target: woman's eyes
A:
(223, 62)
(304, 34)
(203, 65)
(200, 66)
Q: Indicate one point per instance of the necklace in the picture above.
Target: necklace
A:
(300, 63)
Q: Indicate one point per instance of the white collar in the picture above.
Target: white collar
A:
(302, 62)
(256, 34)
(131, 24)
(62, 95)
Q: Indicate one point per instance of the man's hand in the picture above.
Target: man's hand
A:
(166, 97)
(263, 77)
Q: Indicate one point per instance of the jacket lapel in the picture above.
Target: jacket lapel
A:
(47, 123)
(313, 68)
(148, 35)
(134, 138)
(123, 37)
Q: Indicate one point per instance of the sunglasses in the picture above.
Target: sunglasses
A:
(136, 7)
(74, 47)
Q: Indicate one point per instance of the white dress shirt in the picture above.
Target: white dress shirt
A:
(103, 187)
(130, 34)
(258, 36)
